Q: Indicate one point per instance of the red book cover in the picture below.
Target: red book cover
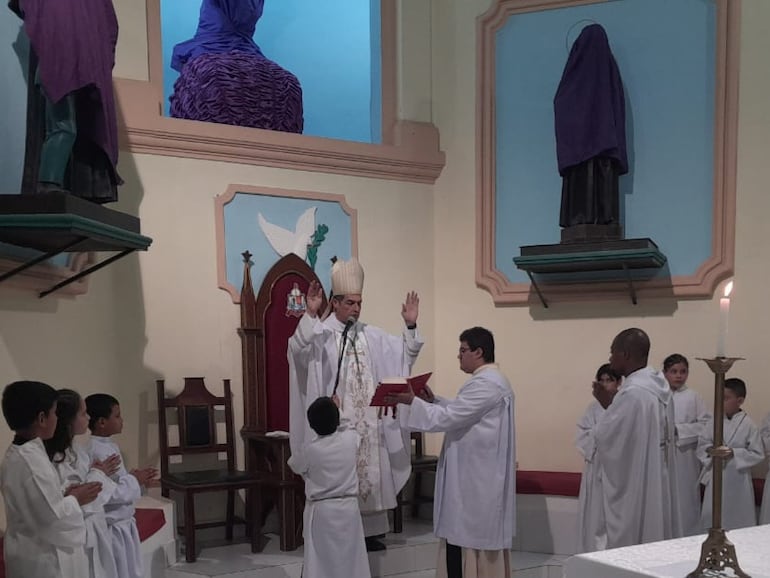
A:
(399, 385)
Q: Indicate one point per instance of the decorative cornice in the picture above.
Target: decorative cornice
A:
(410, 150)
(700, 285)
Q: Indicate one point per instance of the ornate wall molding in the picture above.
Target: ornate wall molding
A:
(410, 150)
(700, 285)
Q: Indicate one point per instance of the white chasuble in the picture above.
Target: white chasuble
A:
(370, 355)
(635, 451)
(738, 505)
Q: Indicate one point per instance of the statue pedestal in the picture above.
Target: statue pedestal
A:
(591, 233)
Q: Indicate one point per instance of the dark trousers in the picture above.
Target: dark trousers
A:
(454, 561)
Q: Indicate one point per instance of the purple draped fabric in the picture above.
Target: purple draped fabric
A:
(589, 105)
(74, 41)
(223, 26)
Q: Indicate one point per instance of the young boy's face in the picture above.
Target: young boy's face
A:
(47, 423)
(677, 375)
(733, 403)
(113, 424)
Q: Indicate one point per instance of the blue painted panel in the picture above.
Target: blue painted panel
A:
(243, 232)
(668, 68)
(332, 47)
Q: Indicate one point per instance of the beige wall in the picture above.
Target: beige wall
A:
(160, 314)
(550, 356)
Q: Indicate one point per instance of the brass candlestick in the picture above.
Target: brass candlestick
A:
(718, 553)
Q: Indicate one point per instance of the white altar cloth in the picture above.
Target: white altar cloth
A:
(672, 558)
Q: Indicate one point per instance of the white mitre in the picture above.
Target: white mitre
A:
(347, 277)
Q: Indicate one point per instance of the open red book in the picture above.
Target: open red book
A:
(399, 385)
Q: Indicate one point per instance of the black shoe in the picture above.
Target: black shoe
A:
(374, 545)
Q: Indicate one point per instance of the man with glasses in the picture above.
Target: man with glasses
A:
(474, 509)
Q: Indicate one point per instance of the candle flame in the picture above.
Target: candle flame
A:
(728, 289)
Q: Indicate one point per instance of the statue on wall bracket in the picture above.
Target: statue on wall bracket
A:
(590, 119)
(72, 140)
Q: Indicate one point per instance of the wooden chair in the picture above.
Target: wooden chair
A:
(196, 413)
(420, 464)
(268, 320)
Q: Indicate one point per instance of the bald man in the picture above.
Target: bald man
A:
(635, 449)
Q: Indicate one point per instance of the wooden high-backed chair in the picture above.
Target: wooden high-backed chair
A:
(267, 322)
(196, 409)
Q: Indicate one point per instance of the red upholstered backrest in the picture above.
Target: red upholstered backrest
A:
(278, 328)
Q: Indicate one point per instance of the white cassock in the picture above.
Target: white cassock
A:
(75, 468)
(370, 355)
(691, 418)
(738, 505)
(475, 499)
(332, 527)
(45, 532)
(119, 511)
(592, 531)
(764, 431)
(635, 451)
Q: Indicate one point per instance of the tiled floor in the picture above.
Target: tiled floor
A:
(411, 554)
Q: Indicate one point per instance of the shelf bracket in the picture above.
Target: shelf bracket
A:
(631, 289)
(84, 272)
(537, 289)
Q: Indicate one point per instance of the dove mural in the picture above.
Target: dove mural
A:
(284, 241)
(272, 223)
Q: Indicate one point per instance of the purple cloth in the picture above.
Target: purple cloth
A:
(589, 105)
(74, 41)
(238, 89)
(223, 26)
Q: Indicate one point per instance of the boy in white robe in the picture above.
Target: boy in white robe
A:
(106, 421)
(764, 431)
(746, 451)
(45, 533)
(474, 508)
(74, 467)
(333, 531)
(691, 418)
(591, 529)
(635, 448)
(342, 355)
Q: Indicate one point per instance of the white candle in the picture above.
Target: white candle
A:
(724, 314)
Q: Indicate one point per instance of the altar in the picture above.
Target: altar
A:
(672, 558)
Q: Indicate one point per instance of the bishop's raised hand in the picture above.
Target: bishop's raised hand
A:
(314, 298)
(410, 309)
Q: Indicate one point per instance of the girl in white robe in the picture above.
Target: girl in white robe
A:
(592, 535)
(74, 467)
(333, 529)
(691, 417)
(742, 437)
(764, 431)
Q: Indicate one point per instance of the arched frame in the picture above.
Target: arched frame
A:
(719, 266)
(409, 150)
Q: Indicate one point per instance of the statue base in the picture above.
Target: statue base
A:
(591, 233)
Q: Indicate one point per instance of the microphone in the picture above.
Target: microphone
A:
(348, 324)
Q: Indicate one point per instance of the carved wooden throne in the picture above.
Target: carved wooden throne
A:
(267, 323)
